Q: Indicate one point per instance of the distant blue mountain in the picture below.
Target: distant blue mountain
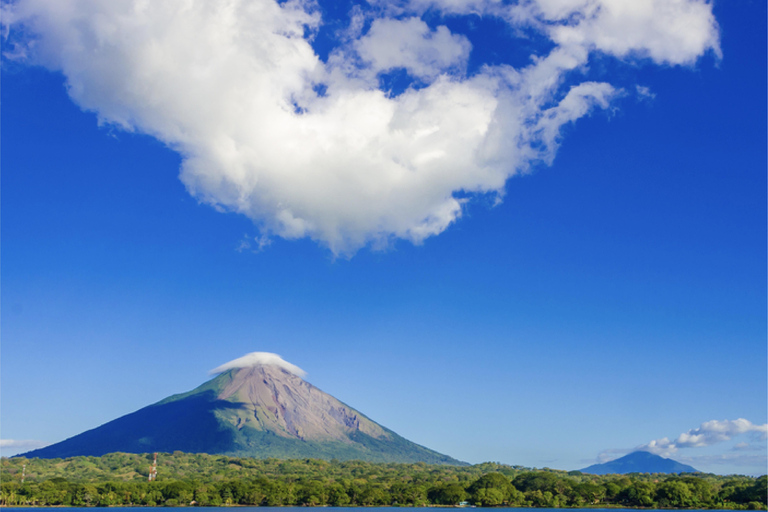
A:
(639, 462)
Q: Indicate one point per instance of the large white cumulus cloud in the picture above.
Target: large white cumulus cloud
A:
(314, 148)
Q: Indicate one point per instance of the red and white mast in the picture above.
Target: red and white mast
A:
(153, 469)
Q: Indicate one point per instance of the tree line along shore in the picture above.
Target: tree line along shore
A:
(122, 479)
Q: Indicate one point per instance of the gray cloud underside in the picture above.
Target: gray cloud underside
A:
(233, 87)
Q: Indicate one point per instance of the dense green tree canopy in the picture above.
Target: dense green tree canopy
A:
(208, 480)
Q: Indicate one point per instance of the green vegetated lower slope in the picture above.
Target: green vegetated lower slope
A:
(200, 479)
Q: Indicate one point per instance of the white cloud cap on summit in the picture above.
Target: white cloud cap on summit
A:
(313, 148)
(260, 359)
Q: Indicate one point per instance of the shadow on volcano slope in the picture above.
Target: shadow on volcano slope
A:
(188, 425)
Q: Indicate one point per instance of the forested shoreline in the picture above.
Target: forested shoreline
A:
(121, 479)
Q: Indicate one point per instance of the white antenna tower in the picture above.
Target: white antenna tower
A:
(153, 469)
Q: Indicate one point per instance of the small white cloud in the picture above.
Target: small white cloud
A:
(709, 433)
(644, 92)
(259, 359)
(410, 44)
(665, 31)
(673, 32)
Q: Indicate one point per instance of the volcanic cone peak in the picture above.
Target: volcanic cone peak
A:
(257, 406)
(639, 462)
(271, 398)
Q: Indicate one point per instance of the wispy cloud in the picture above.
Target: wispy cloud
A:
(10, 447)
(254, 244)
(609, 454)
(311, 147)
(738, 460)
(747, 447)
(22, 443)
(644, 93)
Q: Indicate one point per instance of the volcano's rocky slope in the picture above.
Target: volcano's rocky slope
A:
(257, 411)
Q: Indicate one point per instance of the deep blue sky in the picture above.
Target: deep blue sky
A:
(613, 298)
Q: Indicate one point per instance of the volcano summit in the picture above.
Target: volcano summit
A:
(258, 406)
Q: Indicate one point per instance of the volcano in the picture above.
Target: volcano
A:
(639, 462)
(258, 406)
